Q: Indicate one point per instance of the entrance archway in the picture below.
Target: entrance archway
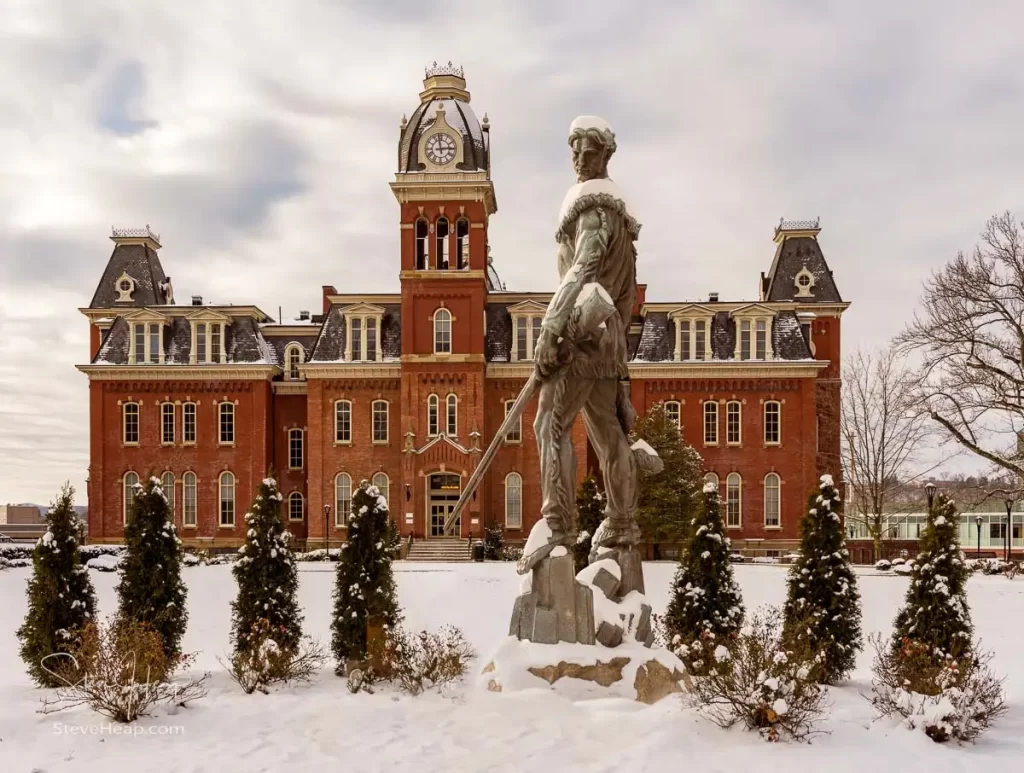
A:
(443, 490)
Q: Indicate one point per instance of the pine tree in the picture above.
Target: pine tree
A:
(669, 500)
(589, 514)
(267, 577)
(706, 600)
(823, 613)
(935, 615)
(151, 589)
(61, 599)
(364, 589)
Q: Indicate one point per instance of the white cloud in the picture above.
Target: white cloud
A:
(259, 140)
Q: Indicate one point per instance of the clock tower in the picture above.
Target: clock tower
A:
(446, 198)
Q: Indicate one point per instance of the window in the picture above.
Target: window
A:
(711, 477)
(684, 339)
(154, 343)
(733, 500)
(522, 334)
(130, 411)
(227, 499)
(295, 449)
(356, 325)
(772, 413)
(442, 331)
(208, 342)
(710, 423)
(380, 421)
(527, 334)
(343, 421)
(383, 484)
(167, 484)
(363, 337)
(441, 236)
(188, 423)
(452, 418)
(997, 530)
(700, 340)
(744, 339)
(513, 501)
(515, 432)
(131, 481)
(733, 414)
(672, 412)
(462, 243)
(227, 423)
(422, 258)
(536, 333)
(145, 345)
(432, 417)
(140, 343)
(342, 499)
(188, 504)
(771, 499)
(215, 335)
(201, 342)
(167, 424)
(761, 339)
(293, 357)
(371, 339)
(295, 506)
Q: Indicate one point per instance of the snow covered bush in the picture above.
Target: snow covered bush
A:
(764, 560)
(906, 568)
(511, 552)
(151, 589)
(494, 540)
(417, 662)
(898, 562)
(948, 699)
(320, 554)
(61, 599)
(120, 669)
(264, 661)
(705, 597)
(105, 563)
(755, 680)
(822, 611)
(882, 565)
(364, 585)
(13, 563)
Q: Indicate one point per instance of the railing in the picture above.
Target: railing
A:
(443, 69)
(797, 225)
(135, 233)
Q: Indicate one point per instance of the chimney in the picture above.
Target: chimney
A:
(303, 316)
(712, 297)
(197, 300)
(641, 299)
(327, 290)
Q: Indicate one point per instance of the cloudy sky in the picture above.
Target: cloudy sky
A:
(258, 139)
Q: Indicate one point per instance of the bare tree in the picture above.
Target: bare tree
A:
(886, 438)
(970, 334)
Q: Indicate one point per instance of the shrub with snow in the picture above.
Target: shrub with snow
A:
(494, 539)
(14, 563)
(898, 562)
(104, 563)
(263, 662)
(320, 554)
(756, 680)
(416, 662)
(883, 565)
(61, 599)
(905, 568)
(764, 560)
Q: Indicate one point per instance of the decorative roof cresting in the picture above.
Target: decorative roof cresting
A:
(436, 69)
(134, 233)
(798, 225)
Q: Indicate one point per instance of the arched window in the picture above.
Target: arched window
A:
(188, 499)
(513, 501)
(710, 423)
(733, 500)
(711, 477)
(188, 424)
(452, 416)
(442, 331)
(383, 484)
(227, 423)
(422, 240)
(343, 421)
(772, 516)
(672, 412)
(227, 499)
(167, 424)
(294, 355)
(295, 506)
(130, 425)
(432, 416)
(441, 237)
(380, 421)
(295, 450)
(462, 242)
(772, 423)
(167, 484)
(733, 416)
(342, 499)
(131, 480)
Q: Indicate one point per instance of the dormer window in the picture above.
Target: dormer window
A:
(804, 282)
(693, 332)
(293, 357)
(145, 342)
(209, 337)
(527, 318)
(124, 285)
(753, 332)
(363, 322)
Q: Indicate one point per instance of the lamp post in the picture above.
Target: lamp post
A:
(1009, 520)
(929, 488)
(327, 544)
(978, 519)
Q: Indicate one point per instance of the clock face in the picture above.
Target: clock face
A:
(441, 149)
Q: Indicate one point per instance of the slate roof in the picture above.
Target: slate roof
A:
(458, 115)
(280, 343)
(244, 343)
(141, 263)
(498, 339)
(658, 338)
(795, 253)
(330, 346)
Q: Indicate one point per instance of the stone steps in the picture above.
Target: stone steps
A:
(439, 549)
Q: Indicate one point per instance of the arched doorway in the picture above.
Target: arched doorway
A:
(443, 490)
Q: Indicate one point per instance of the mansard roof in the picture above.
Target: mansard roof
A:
(796, 250)
(138, 260)
(243, 341)
(331, 344)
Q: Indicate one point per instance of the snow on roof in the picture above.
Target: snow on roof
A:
(588, 188)
(589, 122)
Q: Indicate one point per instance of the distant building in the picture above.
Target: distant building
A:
(406, 389)
(21, 523)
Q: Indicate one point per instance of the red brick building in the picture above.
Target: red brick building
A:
(407, 389)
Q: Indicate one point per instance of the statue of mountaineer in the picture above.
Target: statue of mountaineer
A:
(596, 255)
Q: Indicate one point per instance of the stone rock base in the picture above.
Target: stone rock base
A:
(554, 607)
(583, 672)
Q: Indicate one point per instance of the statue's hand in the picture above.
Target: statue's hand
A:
(624, 408)
(548, 354)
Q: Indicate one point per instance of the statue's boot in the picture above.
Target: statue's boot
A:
(542, 540)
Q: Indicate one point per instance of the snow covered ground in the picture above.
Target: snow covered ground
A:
(324, 727)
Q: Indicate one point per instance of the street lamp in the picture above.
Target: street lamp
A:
(978, 519)
(327, 544)
(1009, 519)
(929, 488)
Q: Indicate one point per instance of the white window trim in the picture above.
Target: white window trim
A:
(434, 402)
(362, 317)
(451, 329)
(693, 318)
(519, 425)
(447, 407)
(739, 501)
(126, 503)
(220, 418)
(195, 423)
(302, 441)
(208, 339)
(387, 485)
(174, 424)
(712, 477)
(739, 405)
(679, 412)
(778, 501)
(220, 500)
(184, 487)
(764, 423)
(530, 342)
(753, 317)
(133, 352)
(350, 428)
(172, 499)
(520, 479)
(302, 506)
(704, 423)
(124, 423)
(338, 522)
(387, 422)
(293, 348)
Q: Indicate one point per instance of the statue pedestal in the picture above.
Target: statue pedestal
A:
(554, 607)
(585, 671)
